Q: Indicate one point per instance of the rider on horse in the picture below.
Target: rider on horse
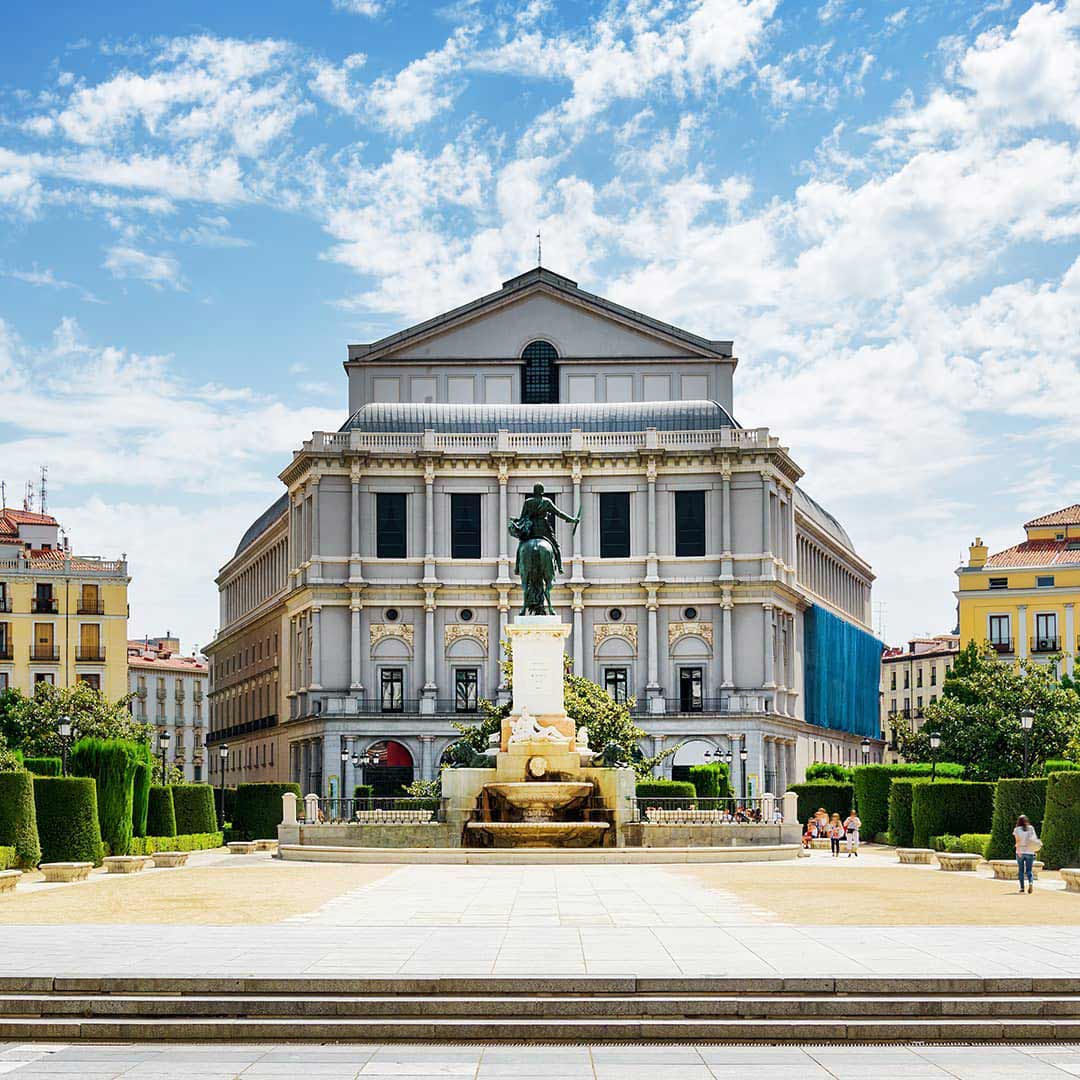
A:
(537, 522)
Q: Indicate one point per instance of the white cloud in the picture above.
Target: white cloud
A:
(369, 8)
(46, 279)
(155, 270)
(213, 231)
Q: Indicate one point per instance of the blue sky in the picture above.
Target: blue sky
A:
(201, 204)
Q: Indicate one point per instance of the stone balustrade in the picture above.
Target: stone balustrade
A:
(1005, 869)
(963, 862)
(1071, 877)
(916, 856)
(657, 816)
(169, 858)
(66, 871)
(9, 879)
(126, 864)
(393, 817)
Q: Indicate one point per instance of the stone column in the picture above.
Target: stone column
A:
(726, 567)
(1021, 631)
(727, 673)
(578, 642)
(311, 808)
(770, 652)
(652, 688)
(425, 757)
(316, 565)
(428, 698)
(575, 544)
(792, 778)
(781, 768)
(651, 562)
(766, 525)
(356, 682)
(316, 649)
(1069, 645)
(356, 566)
(288, 808)
(657, 749)
(504, 516)
(429, 520)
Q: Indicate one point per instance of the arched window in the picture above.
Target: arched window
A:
(540, 378)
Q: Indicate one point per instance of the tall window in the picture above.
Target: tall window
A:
(465, 526)
(540, 376)
(390, 525)
(616, 683)
(689, 523)
(1046, 637)
(615, 525)
(466, 690)
(691, 689)
(999, 632)
(392, 689)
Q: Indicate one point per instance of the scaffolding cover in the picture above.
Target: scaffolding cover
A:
(842, 672)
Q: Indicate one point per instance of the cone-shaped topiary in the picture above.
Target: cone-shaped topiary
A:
(160, 815)
(1011, 799)
(1061, 826)
(140, 792)
(67, 819)
(112, 763)
(18, 821)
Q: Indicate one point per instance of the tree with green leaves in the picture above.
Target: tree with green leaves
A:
(30, 724)
(978, 716)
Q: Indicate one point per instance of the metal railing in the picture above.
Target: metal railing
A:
(91, 607)
(90, 654)
(6, 652)
(43, 606)
(399, 810)
(702, 811)
(1045, 645)
(1005, 646)
(452, 705)
(48, 653)
(5, 604)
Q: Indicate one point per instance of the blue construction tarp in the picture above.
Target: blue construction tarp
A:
(841, 674)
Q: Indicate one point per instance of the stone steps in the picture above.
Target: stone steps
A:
(545, 1009)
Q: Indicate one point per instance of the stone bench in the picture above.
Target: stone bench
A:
(966, 862)
(169, 858)
(9, 879)
(126, 864)
(66, 871)
(1005, 869)
(242, 847)
(393, 817)
(915, 856)
(266, 845)
(1071, 877)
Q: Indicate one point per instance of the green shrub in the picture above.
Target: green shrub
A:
(1011, 799)
(833, 797)
(872, 789)
(44, 766)
(901, 831)
(972, 843)
(679, 793)
(140, 798)
(416, 804)
(160, 815)
(257, 812)
(950, 806)
(711, 781)
(1061, 825)
(227, 798)
(8, 860)
(194, 808)
(112, 764)
(147, 845)
(828, 770)
(943, 843)
(18, 820)
(67, 819)
(1051, 765)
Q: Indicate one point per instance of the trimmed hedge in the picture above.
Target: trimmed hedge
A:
(160, 815)
(257, 812)
(834, 797)
(828, 770)
(711, 781)
(193, 805)
(1051, 765)
(7, 858)
(965, 844)
(872, 789)
(67, 819)
(44, 766)
(112, 764)
(681, 790)
(140, 799)
(18, 820)
(1061, 825)
(227, 800)
(1011, 799)
(901, 830)
(950, 806)
(147, 845)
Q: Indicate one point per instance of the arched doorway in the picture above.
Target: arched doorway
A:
(690, 753)
(393, 771)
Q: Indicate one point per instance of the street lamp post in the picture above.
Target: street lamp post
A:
(1027, 722)
(865, 751)
(344, 762)
(64, 729)
(223, 756)
(163, 745)
(743, 755)
(935, 743)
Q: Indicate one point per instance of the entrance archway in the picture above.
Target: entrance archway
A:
(690, 753)
(393, 771)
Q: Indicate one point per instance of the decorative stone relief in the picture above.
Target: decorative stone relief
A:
(456, 631)
(703, 630)
(603, 631)
(382, 630)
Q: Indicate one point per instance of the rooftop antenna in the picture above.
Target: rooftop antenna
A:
(881, 605)
(28, 496)
(43, 497)
(3, 494)
(539, 250)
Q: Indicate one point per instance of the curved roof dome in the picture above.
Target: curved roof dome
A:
(818, 514)
(262, 523)
(629, 416)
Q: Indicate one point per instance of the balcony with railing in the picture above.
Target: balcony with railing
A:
(49, 654)
(6, 651)
(1046, 644)
(1003, 645)
(43, 605)
(455, 705)
(90, 607)
(90, 654)
(5, 604)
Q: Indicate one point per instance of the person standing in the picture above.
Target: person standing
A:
(1027, 847)
(836, 834)
(852, 824)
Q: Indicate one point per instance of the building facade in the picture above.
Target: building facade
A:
(63, 617)
(911, 679)
(1023, 600)
(703, 584)
(170, 691)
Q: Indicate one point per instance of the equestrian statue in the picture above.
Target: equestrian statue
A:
(538, 555)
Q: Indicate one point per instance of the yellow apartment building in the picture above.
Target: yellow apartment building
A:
(1023, 600)
(63, 617)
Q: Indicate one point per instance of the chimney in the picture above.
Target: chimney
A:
(978, 554)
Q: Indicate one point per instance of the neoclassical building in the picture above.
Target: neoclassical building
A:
(703, 584)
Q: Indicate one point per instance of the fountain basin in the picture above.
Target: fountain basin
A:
(542, 834)
(539, 798)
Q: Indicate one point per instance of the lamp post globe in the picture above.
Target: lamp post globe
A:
(163, 745)
(935, 744)
(743, 755)
(1027, 722)
(63, 728)
(865, 747)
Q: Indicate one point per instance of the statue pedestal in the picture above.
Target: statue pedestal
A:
(537, 649)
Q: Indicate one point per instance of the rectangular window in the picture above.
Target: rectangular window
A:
(466, 689)
(907, 678)
(390, 524)
(5, 641)
(93, 681)
(892, 708)
(998, 626)
(1044, 581)
(892, 680)
(44, 676)
(933, 676)
(998, 583)
(691, 696)
(689, 523)
(4, 685)
(1046, 638)
(933, 698)
(465, 526)
(44, 647)
(616, 683)
(392, 690)
(615, 525)
(918, 677)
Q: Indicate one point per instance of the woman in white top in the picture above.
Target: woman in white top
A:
(1027, 847)
(852, 824)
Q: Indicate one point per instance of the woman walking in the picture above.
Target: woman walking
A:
(1027, 847)
(852, 824)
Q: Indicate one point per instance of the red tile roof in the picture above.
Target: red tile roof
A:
(28, 517)
(139, 657)
(1035, 553)
(1070, 515)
